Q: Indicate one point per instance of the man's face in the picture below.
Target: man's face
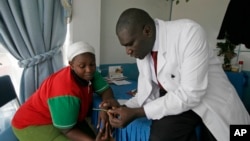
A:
(136, 42)
(84, 65)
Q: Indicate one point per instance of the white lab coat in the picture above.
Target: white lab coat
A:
(188, 69)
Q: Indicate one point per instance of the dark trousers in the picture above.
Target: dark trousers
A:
(180, 127)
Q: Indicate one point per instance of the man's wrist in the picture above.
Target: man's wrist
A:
(139, 112)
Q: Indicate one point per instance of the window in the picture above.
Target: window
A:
(9, 66)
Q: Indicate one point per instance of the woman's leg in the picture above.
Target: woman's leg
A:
(39, 133)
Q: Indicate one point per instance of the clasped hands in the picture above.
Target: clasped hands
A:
(113, 115)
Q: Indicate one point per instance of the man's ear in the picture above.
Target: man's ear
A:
(147, 30)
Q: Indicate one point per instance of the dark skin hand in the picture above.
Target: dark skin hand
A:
(104, 134)
(103, 120)
(107, 101)
(122, 116)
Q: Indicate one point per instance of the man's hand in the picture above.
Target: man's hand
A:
(122, 116)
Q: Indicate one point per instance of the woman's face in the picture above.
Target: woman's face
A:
(84, 65)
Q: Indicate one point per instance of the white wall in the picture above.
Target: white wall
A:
(94, 21)
(111, 50)
(85, 25)
(208, 13)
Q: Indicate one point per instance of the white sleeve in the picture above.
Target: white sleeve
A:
(132, 103)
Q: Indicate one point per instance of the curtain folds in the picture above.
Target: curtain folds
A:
(34, 31)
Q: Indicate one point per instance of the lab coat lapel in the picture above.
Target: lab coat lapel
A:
(144, 83)
(161, 61)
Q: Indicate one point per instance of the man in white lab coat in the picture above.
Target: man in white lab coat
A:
(188, 87)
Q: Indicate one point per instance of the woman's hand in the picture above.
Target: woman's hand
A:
(102, 120)
(109, 103)
(108, 100)
(104, 134)
(106, 104)
(103, 124)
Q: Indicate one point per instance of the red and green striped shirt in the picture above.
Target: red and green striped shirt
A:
(60, 100)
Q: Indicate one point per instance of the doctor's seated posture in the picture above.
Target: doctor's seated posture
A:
(186, 88)
(57, 110)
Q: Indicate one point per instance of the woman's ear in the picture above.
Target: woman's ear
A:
(70, 64)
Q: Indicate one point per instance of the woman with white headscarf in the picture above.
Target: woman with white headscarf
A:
(57, 110)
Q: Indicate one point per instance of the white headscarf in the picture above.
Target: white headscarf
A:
(79, 48)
